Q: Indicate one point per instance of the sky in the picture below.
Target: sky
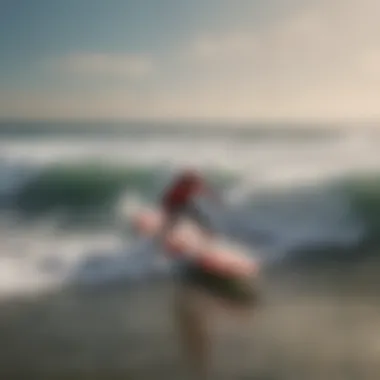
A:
(181, 59)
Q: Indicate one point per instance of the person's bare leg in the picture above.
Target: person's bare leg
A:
(191, 322)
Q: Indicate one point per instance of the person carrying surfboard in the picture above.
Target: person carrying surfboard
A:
(196, 284)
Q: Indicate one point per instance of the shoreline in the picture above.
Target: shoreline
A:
(314, 323)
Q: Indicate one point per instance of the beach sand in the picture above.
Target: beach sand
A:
(319, 322)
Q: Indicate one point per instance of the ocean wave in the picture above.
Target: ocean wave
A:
(87, 186)
(363, 192)
(139, 129)
(273, 223)
(93, 187)
(339, 212)
(90, 187)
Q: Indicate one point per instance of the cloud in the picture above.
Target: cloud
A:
(115, 65)
(320, 61)
(72, 105)
(210, 47)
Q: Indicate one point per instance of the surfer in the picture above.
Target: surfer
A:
(197, 287)
(178, 202)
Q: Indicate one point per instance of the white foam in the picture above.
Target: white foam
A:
(272, 162)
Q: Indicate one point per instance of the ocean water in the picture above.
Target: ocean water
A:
(66, 191)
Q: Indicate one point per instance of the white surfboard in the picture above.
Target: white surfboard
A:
(187, 240)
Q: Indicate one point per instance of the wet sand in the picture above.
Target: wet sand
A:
(313, 323)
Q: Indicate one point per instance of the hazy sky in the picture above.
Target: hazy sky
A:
(190, 59)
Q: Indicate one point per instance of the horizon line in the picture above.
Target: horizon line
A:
(197, 121)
